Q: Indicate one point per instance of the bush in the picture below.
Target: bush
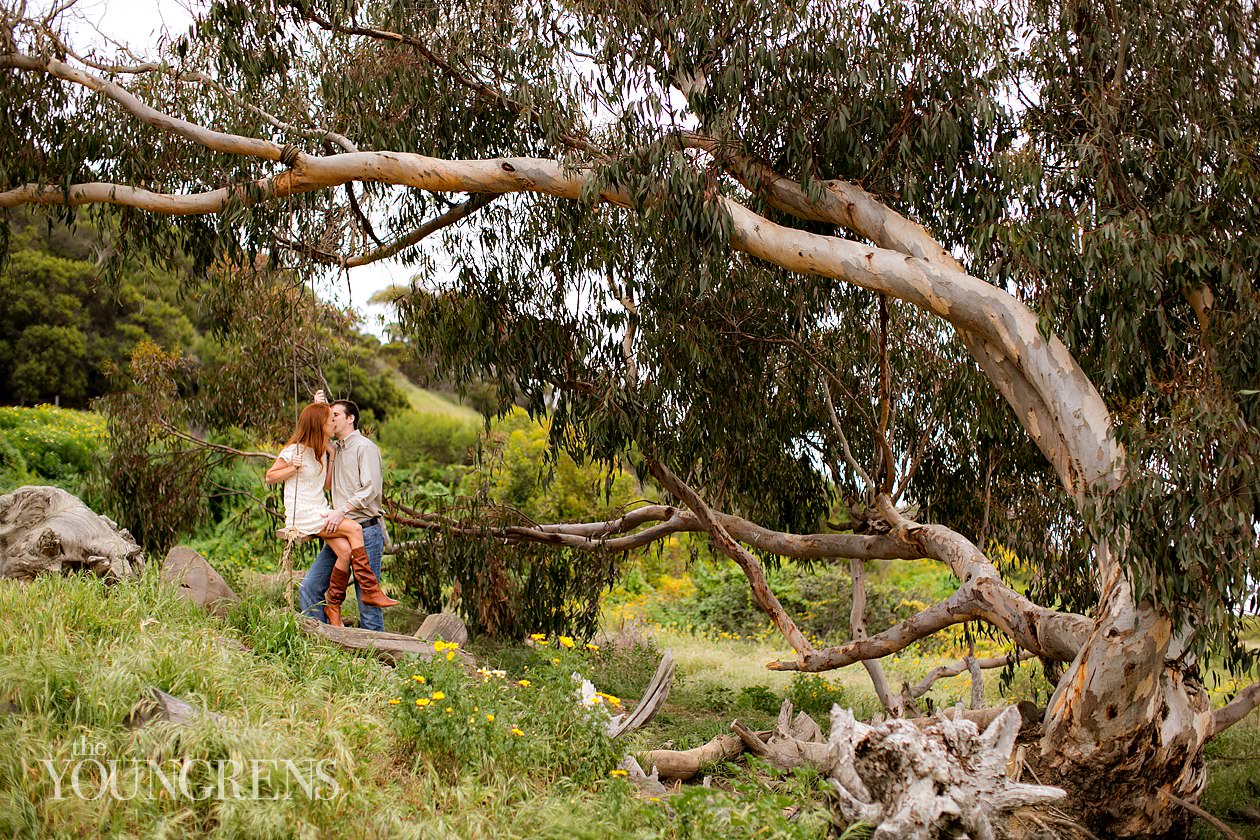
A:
(13, 471)
(57, 445)
(759, 698)
(814, 694)
(537, 723)
(412, 439)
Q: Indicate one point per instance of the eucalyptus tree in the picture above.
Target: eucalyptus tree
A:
(961, 269)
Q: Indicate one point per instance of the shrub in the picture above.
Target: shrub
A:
(57, 445)
(819, 599)
(759, 698)
(815, 694)
(13, 471)
(537, 722)
(411, 438)
(506, 591)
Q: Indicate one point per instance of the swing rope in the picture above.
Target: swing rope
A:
(291, 535)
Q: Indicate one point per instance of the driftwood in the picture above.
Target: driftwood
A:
(918, 780)
(390, 648)
(46, 529)
(1030, 716)
(647, 785)
(685, 764)
(917, 783)
(654, 697)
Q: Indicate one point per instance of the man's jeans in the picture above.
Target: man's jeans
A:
(311, 592)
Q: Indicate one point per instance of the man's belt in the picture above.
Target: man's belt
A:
(368, 523)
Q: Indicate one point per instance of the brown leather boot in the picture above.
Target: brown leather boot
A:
(336, 595)
(369, 587)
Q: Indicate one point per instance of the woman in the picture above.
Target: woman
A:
(303, 467)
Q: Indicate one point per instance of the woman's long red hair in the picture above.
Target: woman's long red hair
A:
(310, 429)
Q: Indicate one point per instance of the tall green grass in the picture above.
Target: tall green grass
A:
(76, 656)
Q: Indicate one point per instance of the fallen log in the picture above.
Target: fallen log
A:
(390, 648)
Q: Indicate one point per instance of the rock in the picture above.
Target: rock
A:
(159, 707)
(46, 529)
(445, 626)
(197, 580)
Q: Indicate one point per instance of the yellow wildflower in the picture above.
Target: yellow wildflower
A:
(523, 683)
(566, 642)
(489, 718)
(517, 732)
(438, 695)
(450, 654)
(417, 678)
(423, 701)
(538, 637)
(618, 772)
(394, 701)
(592, 647)
(555, 662)
(449, 710)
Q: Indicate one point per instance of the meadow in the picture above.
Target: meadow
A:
(426, 748)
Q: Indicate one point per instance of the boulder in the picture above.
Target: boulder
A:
(46, 529)
(445, 626)
(197, 580)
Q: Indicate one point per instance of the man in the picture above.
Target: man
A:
(356, 492)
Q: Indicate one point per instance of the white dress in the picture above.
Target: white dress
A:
(304, 502)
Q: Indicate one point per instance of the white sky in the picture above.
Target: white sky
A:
(141, 25)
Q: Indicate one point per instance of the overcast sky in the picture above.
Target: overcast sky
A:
(140, 25)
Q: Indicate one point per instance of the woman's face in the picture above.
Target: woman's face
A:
(328, 427)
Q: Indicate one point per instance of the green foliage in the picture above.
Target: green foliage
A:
(759, 698)
(63, 324)
(12, 465)
(518, 468)
(815, 694)
(819, 599)
(424, 444)
(505, 590)
(51, 445)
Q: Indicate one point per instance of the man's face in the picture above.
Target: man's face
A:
(342, 425)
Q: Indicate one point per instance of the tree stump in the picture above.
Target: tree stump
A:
(46, 529)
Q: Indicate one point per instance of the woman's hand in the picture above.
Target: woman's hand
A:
(281, 470)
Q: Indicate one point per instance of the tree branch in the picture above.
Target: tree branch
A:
(450, 217)
(857, 630)
(1235, 710)
(746, 561)
(232, 144)
(571, 140)
(946, 671)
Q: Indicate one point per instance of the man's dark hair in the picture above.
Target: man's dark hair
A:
(351, 410)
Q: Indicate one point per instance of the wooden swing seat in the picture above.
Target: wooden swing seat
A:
(292, 535)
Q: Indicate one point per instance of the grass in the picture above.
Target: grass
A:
(76, 656)
(428, 402)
